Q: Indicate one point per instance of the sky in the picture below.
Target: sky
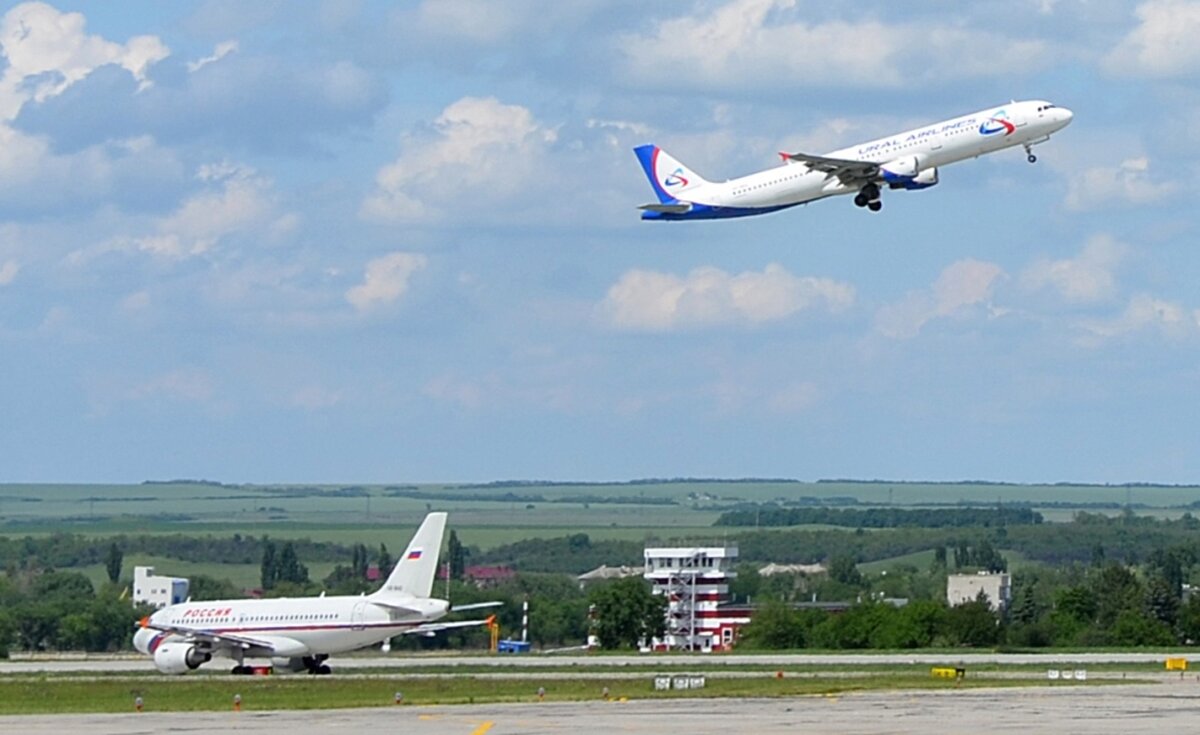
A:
(399, 242)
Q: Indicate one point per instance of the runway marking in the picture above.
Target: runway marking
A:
(482, 729)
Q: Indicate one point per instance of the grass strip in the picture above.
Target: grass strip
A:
(192, 694)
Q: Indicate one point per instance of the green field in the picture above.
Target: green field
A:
(490, 515)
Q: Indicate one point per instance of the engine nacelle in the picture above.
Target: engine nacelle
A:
(903, 168)
(179, 657)
(923, 180)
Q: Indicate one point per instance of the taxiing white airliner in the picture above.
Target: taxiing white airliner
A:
(907, 160)
(299, 634)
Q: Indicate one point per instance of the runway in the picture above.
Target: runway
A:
(1103, 710)
(136, 664)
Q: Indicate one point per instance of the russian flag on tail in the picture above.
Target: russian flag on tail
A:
(414, 554)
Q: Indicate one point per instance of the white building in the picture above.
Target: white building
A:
(962, 588)
(695, 581)
(158, 591)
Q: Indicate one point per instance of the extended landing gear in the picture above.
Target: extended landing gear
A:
(868, 197)
(316, 665)
(1029, 155)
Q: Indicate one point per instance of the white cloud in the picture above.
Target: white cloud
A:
(1126, 183)
(236, 200)
(1083, 279)
(53, 50)
(221, 50)
(1163, 44)
(47, 52)
(652, 301)
(768, 43)
(960, 286)
(479, 150)
(8, 272)
(386, 280)
(1144, 313)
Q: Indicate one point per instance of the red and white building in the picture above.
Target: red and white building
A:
(695, 581)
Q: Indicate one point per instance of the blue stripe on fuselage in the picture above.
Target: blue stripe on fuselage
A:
(707, 211)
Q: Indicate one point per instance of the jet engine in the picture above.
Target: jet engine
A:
(178, 657)
(902, 168)
(923, 180)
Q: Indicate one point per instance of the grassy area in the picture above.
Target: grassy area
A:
(56, 695)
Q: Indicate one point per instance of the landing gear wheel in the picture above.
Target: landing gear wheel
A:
(875, 206)
(1032, 158)
(323, 670)
(860, 200)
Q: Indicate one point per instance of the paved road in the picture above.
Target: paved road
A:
(124, 664)
(1104, 710)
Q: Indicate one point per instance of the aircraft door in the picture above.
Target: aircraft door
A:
(356, 615)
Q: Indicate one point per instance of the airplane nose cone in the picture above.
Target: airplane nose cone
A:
(1066, 115)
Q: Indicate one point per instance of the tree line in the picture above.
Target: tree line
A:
(1126, 537)
(63, 550)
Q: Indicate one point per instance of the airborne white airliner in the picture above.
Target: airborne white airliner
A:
(300, 634)
(907, 160)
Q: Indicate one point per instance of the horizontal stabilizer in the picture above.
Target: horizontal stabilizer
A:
(431, 628)
(476, 606)
(681, 208)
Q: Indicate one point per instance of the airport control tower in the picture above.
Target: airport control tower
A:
(695, 581)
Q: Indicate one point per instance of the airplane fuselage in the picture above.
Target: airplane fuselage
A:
(316, 625)
(923, 149)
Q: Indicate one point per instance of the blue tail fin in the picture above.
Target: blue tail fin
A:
(668, 177)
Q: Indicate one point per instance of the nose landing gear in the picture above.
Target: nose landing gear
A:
(1029, 154)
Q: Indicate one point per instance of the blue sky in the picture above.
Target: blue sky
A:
(380, 242)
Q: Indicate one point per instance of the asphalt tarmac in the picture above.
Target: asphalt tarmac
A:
(135, 664)
(1164, 707)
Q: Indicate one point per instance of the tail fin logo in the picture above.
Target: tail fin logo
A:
(675, 178)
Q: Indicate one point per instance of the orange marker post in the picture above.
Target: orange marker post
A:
(237, 703)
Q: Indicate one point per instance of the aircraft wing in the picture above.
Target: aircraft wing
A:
(848, 171)
(213, 638)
